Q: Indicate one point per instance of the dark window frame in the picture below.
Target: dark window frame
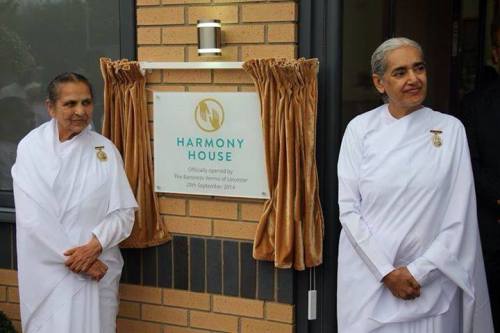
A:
(128, 47)
(320, 36)
(7, 213)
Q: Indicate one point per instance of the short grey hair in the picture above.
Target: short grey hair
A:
(379, 57)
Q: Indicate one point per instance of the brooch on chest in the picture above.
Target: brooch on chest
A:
(436, 138)
(101, 155)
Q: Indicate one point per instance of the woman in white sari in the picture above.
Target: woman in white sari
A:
(73, 206)
(409, 254)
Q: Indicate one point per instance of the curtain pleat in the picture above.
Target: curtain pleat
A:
(290, 230)
(126, 124)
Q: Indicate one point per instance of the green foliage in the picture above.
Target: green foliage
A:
(5, 324)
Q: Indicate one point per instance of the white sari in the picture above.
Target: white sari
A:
(405, 201)
(63, 194)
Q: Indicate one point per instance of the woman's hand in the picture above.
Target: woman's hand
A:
(81, 258)
(402, 284)
(97, 270)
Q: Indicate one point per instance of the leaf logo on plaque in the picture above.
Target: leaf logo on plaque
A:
(209, 115)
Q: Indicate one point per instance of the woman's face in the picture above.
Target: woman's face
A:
(405, 79)
(72, 110)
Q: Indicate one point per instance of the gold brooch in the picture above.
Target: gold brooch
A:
(101, 155)
(436, 139)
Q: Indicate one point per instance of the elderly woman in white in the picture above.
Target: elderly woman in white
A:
(409, 254)
(73, 206)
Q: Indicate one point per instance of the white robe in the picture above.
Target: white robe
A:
(405, 202)
(64, 194)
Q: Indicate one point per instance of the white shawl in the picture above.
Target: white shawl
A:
(406, 202)
(45, 229)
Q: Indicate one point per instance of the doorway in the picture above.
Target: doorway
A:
(454, 35)
(343, 35)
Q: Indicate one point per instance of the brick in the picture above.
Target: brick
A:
(212, 88)
(233, 229)
(180, 249)
(175, 206)
(165, 261)
(142, 294)
(259, 326)
(286, 32)
(164, 87)
(148, 36)
(160, 15)
(130, 310)
(226, 14)
(197, 264)
(231, 76)
(280, 312)
(266, 280)
(180, 35)
(147, 2)
(248, 88)
(153, 76)
(174, 2)
(213, 321)
(160, 53)
(149, 263)
(214, 265)
(164, 314)
(134, 326)
(269, 12)
(285, 290)
(230, 268)
(229, 53)
(177, 329)
(251, 211)
(188, 225)
(268, 51)
(248, 271)
(186, 299)
(8, 277)
(13, 295)
(12, 311)
(187, 76)
(238, 306)
(212, 208)
(243, 33)
(3, 294)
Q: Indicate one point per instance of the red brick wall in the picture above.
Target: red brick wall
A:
(159, 310)
(167, 32)
(146, 309)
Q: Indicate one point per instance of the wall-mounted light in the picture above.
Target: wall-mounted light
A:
(209, 37)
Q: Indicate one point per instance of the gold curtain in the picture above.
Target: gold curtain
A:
(290, 231)
(126, 124)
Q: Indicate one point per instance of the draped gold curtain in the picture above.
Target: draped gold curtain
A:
(126, 124)
(290, 231)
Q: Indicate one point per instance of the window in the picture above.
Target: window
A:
(40, 39)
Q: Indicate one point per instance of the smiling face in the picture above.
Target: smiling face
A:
(404, 81)
(72, 109)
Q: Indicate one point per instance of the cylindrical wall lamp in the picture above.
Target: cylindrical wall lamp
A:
(209, 37)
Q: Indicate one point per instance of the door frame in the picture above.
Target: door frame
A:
(320, 36)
